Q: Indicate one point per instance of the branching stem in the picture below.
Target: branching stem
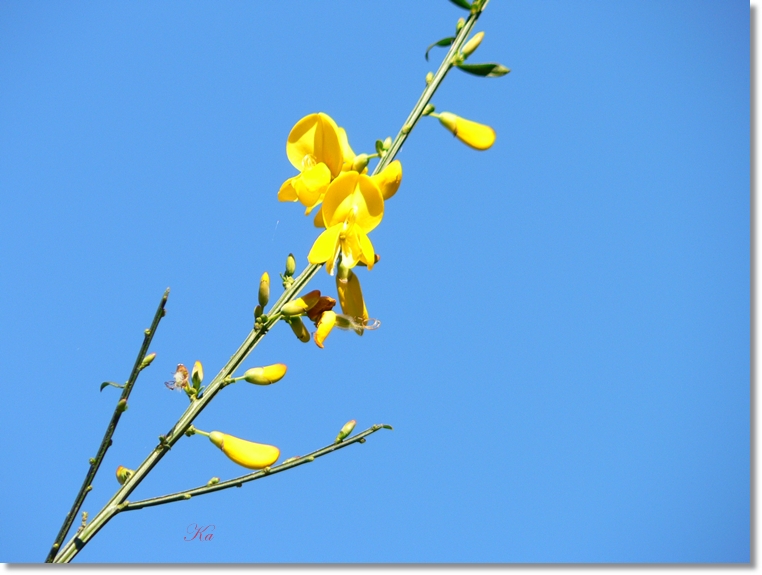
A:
(119, 501)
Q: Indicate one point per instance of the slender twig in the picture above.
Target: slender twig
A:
(116, 503)
(239, 481)
(95, 463)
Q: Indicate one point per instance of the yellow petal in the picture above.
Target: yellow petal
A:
(337, 201)
(316, 137)
(368, 253)
(478, 136)
(346, 150)
(245, 453)
(326, 246)
(324, 327)
(287, 193)
(312, 184)
(318, 221)
(388, 181)
(370, 210)
(350, 298)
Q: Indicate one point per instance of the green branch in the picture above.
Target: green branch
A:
(95, 463)
(239, 481)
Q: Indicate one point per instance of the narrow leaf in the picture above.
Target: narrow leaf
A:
(387, 426)
(442, 42)
(462, 4)
(485, 70)
(105, 384)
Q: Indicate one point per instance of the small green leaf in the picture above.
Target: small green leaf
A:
(485, 70)
(379, 147)
(462, 4)
(112, 384)
(443, 42)
(387, 426)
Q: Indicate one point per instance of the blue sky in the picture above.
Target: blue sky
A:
(564, 349)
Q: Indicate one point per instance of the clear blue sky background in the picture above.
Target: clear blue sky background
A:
(564, 350)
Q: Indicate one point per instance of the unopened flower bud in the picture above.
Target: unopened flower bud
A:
(245, 453)
(290, 265)
(346, 430)
(301, 305)
(478, 136)
(265, 375)
(213, 481)
(472, 44)
(198, 375)
(147, 360)
(123, 474)
(121, 406)
(429, 77)
(299, 329)
(324, 327)
(264, 289)
(360, 163)
(257, 311)
(459, 25)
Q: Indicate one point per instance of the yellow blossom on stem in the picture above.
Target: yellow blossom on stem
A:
(350, 297)
(324, 327)
(314, 148)
(353, 206)
(245, 453)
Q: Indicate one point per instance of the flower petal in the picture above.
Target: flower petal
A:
(337, 201)
(346, 149)
(388, 181)
(312, 184)
(318, 221)
(368, 253)
(350, 298)
(370, 209)
(287, 193)
(315, 135)
(326, 246)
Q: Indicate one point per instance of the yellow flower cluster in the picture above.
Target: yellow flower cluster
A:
(351, 205)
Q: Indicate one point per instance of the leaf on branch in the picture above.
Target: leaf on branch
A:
(112, 384)
(443, 42)
(485, 70)
(462, 4)
(387, 426)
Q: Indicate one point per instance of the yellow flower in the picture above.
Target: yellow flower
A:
(478, 136)
(353, 206)
(388, 182)
(315, 148)
(324, 327)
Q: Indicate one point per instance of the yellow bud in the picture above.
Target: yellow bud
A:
(324, 327)
(301, 305)
(265, 375)
(429, 77)
(478, 136)
(198, 375)
(472, 44)
(264, 289)
(245, 453)
(346, 430)
(290, 265)
(388, 181)
(299, 329)
(123, 474)
(147, 360)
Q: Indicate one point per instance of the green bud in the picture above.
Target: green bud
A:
(428, 109)
(460, 24)
(257, 311)
(198, 375)
(388, 143)
(264, 289)
(360, 163)
(121, 407)
(147, 360)
(213, 481)
(299, 329)
(290, 265)
(429, 77)
(346, 430)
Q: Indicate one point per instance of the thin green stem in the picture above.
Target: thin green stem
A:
(239, 481)
(119, 501)
(106, 442)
